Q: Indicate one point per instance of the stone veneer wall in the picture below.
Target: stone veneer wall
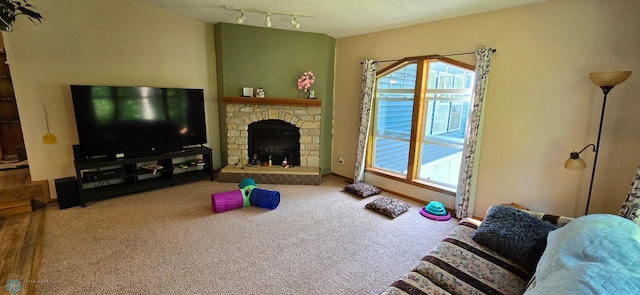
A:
(307, 118)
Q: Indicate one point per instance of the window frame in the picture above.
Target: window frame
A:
(417, 125)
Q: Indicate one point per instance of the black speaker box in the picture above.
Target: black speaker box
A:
(67, 190)
(77, 155)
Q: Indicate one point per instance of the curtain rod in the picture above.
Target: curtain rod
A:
(431, 56)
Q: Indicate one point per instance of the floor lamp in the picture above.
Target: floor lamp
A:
(606, 81)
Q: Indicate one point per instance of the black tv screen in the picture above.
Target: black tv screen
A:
(137, 120)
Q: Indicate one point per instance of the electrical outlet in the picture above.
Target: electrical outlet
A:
(341, 160)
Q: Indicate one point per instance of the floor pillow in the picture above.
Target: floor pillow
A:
(388, 206)
(362, 189)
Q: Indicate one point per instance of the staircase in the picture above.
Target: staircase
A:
(18, 194)
(14, 201)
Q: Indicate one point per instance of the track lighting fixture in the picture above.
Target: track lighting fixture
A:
(267, 22)
(294, 23)
(240, 19)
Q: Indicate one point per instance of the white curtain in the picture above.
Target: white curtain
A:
(369, 68)
(465, 199)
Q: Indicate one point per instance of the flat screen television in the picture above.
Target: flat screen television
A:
(137, 120)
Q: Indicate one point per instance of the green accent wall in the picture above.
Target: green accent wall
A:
(248, 56)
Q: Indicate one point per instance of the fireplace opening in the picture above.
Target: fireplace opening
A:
(275, 138)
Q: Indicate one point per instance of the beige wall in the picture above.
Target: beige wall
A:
(540, 103)
(116, 42)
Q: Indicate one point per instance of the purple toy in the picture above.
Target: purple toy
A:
(436, 211)
(225, 201)
(426, 214)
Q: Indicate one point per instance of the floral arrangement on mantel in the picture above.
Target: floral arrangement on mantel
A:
(305, 81)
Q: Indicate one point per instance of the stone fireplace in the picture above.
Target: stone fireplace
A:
(304, 114)
(301, 116)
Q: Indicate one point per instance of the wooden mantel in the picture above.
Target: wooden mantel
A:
(272, 101)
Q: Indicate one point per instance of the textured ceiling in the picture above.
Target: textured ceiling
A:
(336, 18)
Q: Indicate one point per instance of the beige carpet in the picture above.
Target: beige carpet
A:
(320, 240)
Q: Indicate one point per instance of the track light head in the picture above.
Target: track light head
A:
(267, 22)
(294, 23)
(240, 19)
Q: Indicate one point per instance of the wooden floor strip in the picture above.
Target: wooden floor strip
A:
(12, 235)
(21, 248)
(21, 230)
(37, 255)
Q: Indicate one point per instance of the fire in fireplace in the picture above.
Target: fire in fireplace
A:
(276, 139)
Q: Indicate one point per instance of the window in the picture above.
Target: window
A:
(420, 115)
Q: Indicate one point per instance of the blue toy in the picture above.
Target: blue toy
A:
(436, 211)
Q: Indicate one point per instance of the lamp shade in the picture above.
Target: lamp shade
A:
(575, 164)
(609, 78)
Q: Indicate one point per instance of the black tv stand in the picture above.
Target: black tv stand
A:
(106, 177)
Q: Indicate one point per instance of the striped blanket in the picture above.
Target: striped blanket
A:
(459, 265)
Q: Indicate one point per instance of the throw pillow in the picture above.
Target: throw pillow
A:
(388, 206)
(514, 234)
(362, 189)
